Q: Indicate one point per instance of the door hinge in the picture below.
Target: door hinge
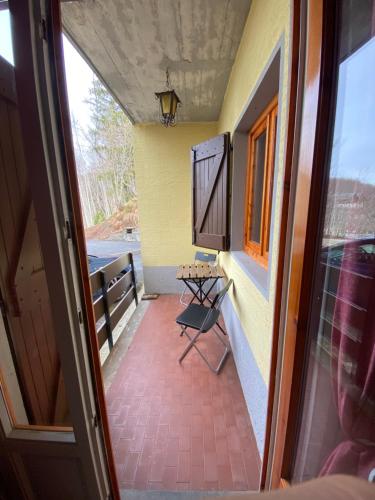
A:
(68, 230)
(43, 29)
(2, 307)
(227, 243)
(80, 316)
(95, 421)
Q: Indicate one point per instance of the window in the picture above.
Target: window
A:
(260, 167)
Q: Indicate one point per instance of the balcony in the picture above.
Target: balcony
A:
(176, 426)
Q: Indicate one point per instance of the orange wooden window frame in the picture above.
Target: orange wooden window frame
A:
(266, 122)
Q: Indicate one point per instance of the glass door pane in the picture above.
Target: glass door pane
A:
(337, 432)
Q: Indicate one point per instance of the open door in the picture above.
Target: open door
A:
(54, 440)
(325, 415)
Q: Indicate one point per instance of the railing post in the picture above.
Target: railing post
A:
(133, 278)
(106, 310)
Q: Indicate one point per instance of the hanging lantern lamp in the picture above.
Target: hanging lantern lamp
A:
(169, 101)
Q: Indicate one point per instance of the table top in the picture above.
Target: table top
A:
(199, 271)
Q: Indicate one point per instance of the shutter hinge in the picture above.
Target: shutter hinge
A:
(43, 29)
(68, 230)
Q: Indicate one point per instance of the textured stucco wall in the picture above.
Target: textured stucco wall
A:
(163, 179)
(267, 22)
(163, 175)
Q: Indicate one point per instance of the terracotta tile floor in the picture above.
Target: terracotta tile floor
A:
(179, 427)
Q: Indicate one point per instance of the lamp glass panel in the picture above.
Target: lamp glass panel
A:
(166, 103)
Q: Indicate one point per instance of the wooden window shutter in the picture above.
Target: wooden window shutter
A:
(210, 165)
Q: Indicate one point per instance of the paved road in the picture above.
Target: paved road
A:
(114, 248)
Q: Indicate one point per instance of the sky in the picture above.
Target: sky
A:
(353, 154)
(5, 37)
(78, 74)
(79, 78)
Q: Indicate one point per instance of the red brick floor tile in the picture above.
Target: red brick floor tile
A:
(210, 466)
(130, 468)
(220, 427)
(252, 468)
(184, 467)
(197, 426)
(157, 467)
(197, 452)
(209, 439)
(197, 477)
(211, 485)
(178, 426)
(225, 477)
(169, 478)
(128, 429)
(171, 452)
(152, 426)
(141, 477)
(185, 442)
(115, 434)
(183, 486)
(137, 441)
(222, 451)
(238, 470)
(147, 452)
(233, 439)
(121, 450)
(142, 420)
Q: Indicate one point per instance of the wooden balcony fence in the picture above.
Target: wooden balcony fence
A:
(114, 289)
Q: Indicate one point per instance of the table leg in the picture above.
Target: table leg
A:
(194, 292)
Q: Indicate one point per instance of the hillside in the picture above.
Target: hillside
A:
(115, 226)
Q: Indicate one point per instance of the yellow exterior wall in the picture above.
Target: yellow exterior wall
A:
(163, 175)
(267, 21)
(163, 178)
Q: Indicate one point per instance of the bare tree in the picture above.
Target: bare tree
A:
(104, 157)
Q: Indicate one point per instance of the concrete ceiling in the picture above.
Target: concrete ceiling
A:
(131, 43)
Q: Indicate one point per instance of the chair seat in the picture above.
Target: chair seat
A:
(194, 316)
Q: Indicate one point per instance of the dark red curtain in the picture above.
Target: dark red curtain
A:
(353, 364)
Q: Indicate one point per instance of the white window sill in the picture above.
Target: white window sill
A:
(255, 272)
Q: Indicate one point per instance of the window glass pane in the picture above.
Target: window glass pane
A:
(338, 417)
(257, 188)
(271, 187)
(30, 372)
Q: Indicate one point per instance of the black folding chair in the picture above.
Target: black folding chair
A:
(200, 257)
(203, 319)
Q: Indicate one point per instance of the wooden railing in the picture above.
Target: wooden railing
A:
(114, 289)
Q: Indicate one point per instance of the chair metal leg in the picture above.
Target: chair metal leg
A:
(221, 328)
(182, 296)
(192, 344)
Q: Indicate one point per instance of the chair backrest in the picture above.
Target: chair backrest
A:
(219, 297)
(205, 257)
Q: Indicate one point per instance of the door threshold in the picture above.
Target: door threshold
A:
(179, 495)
